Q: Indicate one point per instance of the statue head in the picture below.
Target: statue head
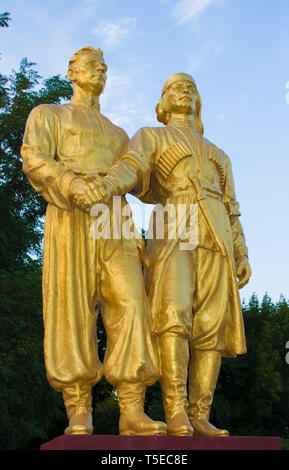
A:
(87, 70)
(180, 96)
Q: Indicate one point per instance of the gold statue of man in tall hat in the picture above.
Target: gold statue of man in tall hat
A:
(66, 149)
(193, 293)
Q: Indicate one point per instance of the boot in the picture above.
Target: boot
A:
(204, 372)
(174, 354)
(133, 421)
(77, 400)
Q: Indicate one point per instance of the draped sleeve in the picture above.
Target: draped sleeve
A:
(133, 170)
(49, 177)
(232, 206)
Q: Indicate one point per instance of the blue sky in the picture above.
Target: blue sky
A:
(238, 53)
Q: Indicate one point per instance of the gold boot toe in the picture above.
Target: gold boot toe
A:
(203, 427)
(179, 425)
(137, 423)
(80, 423)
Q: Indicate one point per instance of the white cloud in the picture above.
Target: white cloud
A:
(123, 105)
(115, 34)
(51, 40)
(206, 53)
(131, 115)
(118, 84)
(187, 10)
(128, 113)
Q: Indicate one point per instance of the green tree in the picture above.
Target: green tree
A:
(21, 206)
(29, 408)
(4, 19)
(251, 392)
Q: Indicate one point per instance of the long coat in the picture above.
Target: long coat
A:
(177, 165)
(61, 142)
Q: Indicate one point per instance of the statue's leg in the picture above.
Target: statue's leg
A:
(174, 328)
(77, 400)
(133, 420)
(208, 338)
(204, 372)
(69, 296)
(174, 353)
(131, 361)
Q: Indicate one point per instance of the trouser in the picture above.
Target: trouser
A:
(194, 303)
(195, 297)
(78, 273)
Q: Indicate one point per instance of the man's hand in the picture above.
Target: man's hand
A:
(101, 188)
(243, 271)
(85, 192)
(82, 194)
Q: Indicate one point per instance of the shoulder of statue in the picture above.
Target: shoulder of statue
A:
(219, 158)
(44, 112)
(153, 130)
(119, 130)
(45, 108)
(217, 152)
(149, 134)
(122, 133)
(224, 157)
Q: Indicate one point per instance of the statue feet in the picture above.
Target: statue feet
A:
(179, 425)
(202, 427)
(80, 423)
(137, 423)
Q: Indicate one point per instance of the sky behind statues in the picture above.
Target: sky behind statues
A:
(238, 53)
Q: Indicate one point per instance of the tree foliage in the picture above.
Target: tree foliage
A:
(4, 19)
(252, 392)
(28, 406)
(21, 206)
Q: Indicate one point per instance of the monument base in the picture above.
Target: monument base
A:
(103, 442)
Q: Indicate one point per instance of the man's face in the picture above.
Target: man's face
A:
(182, 97)
(89, 74)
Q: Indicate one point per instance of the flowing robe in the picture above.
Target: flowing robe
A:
(179, 166)
(60, 143)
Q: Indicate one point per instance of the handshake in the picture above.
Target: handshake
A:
(88, 190)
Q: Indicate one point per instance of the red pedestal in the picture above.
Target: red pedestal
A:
(100, 442)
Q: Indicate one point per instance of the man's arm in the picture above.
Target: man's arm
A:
(133, 170)
(239, 242)
(52, 179)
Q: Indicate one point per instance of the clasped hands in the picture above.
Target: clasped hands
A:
(87, 190)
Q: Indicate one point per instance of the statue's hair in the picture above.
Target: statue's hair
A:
(84, 51)
(163, 112)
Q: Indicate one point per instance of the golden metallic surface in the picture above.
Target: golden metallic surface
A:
(193, 294)
(76, 158)
(80, 423)
(201, 390)
(132, 420)
(66, 148)
(174, 354)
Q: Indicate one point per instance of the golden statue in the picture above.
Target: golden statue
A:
(193, 293)
(66, 150)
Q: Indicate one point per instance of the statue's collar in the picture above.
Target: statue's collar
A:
(85, 101)
(181, 121)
